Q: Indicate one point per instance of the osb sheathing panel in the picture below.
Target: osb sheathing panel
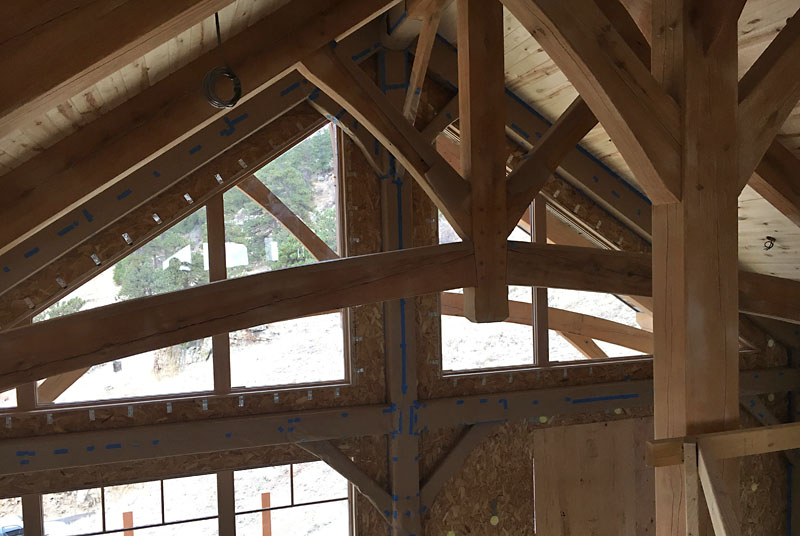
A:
(495, 481)
(764, 487)
(371, 457)
(362, 224)
(592, 479)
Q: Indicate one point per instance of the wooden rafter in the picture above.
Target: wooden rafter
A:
(483, 152)
(639, 115)
(422, 56)
(60, 56)
(777, 179)
(584, 345)
(131, 135)
(768, 93)
(348, 85)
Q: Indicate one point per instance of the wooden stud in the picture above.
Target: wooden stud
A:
(483, 152)
(217, 271)
(422, 56)
(541, 317)
(721, 504)
(32, 517)
(691, 490)
(226, 504)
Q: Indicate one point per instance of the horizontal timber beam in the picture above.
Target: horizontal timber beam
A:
(115, 331)
(724, 445)
(61, 451)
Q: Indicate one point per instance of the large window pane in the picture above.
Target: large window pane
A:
(252, 484)
(327, 519)
(11, 516)
(190, 498)
(316, 481)
(73, 512)
(142, 500)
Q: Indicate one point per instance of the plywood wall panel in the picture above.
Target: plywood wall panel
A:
(591, 480)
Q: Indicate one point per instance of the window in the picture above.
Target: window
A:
(11, 516)
(582, 325)
(304, 350)
(161, 507)
(293, 500)
(172, 261)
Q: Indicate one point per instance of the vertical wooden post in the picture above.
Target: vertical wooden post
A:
(695, 256)
(32, 518)
(399, 322)
(541, 339)
(127, 523)
(217, 271)
(481, 84)
(266, 516)
(226, 504)
(27, 399)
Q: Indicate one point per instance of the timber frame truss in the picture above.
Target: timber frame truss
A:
(651, 91)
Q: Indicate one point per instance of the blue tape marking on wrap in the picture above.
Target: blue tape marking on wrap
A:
(519, 130)
(124, 194)
(156, 442)
(290, 89)
(232, 122)
(615, 194)
(26, 453)
(156, 174)
(68, 228)
(31, 253)
(87, 215)
(60, 451)
(112, 446)
(361, 54)
(228, 435)
(90, 448)
(459, 402)
(6, 269)
(24, 462)
(504, 402)
(196, 149)
(605, 398)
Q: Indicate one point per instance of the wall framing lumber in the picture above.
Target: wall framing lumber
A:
(218, 271)
(425, 42)
(209, 435)
(130, 136)
(726, 445)
(229, 305)
(721, 506)
(60, 57)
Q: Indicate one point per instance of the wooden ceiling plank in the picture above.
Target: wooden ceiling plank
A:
(60, 57)
(483, 152)
(638, 114)
(348, 85)
(768, 93)
(129, 137)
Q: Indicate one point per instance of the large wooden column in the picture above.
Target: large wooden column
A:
(695, 279)
(481, 85)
